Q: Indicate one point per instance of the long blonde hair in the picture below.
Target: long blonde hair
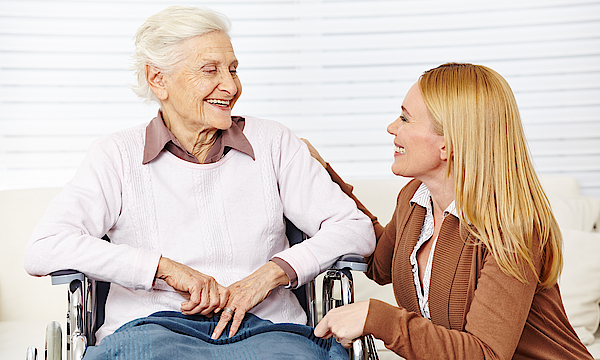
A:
(497, 190)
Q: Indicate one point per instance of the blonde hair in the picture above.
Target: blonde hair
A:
(497, 190)
(158, 39)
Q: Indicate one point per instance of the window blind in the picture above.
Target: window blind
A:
(335, 72)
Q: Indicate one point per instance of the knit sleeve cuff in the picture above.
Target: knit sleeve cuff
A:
(289, 271)
(384, 321)
(145, 269)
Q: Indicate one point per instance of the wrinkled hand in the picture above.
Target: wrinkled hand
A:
(345, 323)
(247, 293)
(204, 295)
(314, 153)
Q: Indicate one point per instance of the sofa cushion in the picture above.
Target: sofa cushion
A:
(578, 212)
(580, 281)
(556, 184)
(24, 297)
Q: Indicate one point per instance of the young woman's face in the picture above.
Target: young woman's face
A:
(418, 151)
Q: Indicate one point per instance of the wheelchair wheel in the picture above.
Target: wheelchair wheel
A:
(31, 353)
(53, 341)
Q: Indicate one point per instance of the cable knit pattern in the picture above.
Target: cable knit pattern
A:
(269, 183)
(224, 219)
(138, 183)
(217, 239)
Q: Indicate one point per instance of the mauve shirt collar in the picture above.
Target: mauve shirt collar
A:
(158, 138)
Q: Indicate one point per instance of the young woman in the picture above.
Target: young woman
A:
(473, 250)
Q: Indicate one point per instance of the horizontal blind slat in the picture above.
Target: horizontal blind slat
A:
(334, 72)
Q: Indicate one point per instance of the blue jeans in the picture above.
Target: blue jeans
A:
(172, 335)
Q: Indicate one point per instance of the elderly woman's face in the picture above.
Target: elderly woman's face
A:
(204, 86)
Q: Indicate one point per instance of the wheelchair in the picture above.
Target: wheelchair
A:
(86, 298)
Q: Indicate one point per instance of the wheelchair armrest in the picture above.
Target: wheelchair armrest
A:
(66, 276)
(351, 262)
(81, 316)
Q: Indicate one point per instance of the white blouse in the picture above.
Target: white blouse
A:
(422, 197)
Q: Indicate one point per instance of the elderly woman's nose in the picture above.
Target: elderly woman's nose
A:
(228, 83)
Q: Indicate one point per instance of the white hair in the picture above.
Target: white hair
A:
(158, 39)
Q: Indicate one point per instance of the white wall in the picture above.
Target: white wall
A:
(333, 71)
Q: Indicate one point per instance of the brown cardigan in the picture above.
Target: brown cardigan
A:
(477, 311)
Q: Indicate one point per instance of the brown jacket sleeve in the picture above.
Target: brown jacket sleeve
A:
(380, 262)
(494, 323)
(347, 189)
(503, 318)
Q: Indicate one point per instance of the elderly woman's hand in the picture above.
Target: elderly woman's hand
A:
(314, 153)
(204, 295)
(247, 293)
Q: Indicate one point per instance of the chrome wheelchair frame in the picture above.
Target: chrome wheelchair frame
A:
(85, 312)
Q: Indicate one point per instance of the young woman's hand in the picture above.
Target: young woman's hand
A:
(345, 323)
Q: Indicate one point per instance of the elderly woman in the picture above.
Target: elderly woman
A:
(194, 201)
(473, 250)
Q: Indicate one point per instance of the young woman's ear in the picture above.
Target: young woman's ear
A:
(443, 152)
(155, 79)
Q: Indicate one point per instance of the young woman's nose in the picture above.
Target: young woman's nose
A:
(392, 128)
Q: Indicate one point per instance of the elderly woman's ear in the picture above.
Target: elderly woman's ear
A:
(155, 80)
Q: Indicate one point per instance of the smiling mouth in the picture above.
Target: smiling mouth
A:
(219, 102)
(399, 150)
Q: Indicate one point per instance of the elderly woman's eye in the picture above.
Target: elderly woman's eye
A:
(233, 72)
(209, 69)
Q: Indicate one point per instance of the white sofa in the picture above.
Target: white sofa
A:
(27, 304)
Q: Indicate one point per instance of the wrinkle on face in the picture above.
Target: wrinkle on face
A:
(207, 72)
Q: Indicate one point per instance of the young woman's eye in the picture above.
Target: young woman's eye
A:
(403, 118)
